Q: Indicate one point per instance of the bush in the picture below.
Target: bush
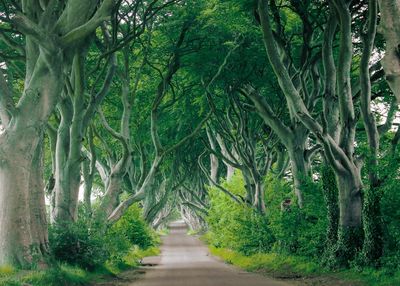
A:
(133, 227)
(297, 231)
(236, 226)
(291, 231)
(81, 243)
(391, 223)
(88, 243)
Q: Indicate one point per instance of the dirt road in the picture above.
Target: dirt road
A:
(185, 261)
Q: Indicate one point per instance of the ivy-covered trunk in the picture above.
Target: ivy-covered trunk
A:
(331, 199)
(350, 232)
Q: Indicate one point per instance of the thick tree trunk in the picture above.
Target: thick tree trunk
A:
(350, 200)
(331, 199)
(88, 167)
(390, 28)
(230, 171)
(299, 171)
(373, 243)
(350, 234)
(68, 180)
(68, 148)
(111, 198)
(249, 186)
(23, 234)
(37, 202)
(23, 230)
(214, 162)
(259, 201)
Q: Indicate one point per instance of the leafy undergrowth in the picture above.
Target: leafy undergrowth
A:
(67, 275)
(303, 270)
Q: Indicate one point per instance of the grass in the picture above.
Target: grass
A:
(67, 275)
(294, 267)
(271, 263)
(60, 275)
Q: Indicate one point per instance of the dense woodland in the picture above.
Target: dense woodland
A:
(271, 124)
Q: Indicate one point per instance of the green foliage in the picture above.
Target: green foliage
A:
(81, 243)
(237, 226)
(87, 249)
(297, 231)
(272, 263)
(391, 222)
(89, 244)
(289, 230)
(286, 266)
(134, 228)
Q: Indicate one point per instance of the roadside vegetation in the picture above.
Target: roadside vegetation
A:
(84, 252)
(291, 243)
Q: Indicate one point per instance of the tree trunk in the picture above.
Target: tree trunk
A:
(214, 162)
(230, 171)
(373, 243)
(299, 171)
(350, 234)
(68, 180)
(23, 235)
(249, 186)
(37, 202)
(331, 199)
(259, 201)
(390, 28)
(87, 172)
(111, 198)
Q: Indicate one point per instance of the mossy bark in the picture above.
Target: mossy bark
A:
(372, 223)
(332, 207)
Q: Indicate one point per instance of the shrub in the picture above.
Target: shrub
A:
(297, 231)
(391, 223)
(292, 231)
(81, 243)
(236, 226)
(87, 243)
(133, 227)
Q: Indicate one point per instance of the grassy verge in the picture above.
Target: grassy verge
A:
(67, 275)
(305, 271)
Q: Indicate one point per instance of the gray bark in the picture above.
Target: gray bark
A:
(340, 155)
(390, 28)
(50, 32)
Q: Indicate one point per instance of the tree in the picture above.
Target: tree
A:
(52, 33)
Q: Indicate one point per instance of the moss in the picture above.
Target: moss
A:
(6, 270)
(373, 231)
(348, 245)
(331, 199)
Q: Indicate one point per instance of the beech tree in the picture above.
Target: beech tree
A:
(336, 132)
(52, 31)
